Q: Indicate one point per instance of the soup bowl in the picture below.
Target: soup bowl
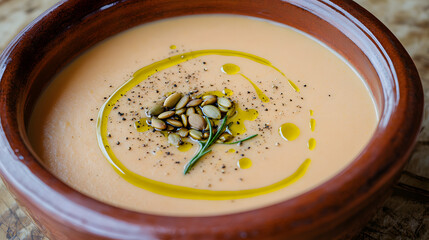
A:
(337, 208)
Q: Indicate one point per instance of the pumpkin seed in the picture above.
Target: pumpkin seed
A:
(198, 110)
(158, 124)
(184, 117)
(197, 121)
(207, 127)
(172, 100)
(180, 111)
(183, 132)
(184, 120)
(209, 100)
(208, 96)
(231, 112)
(190, 111)
(156, 110)
(206, 135)
(224, 137)
(167, 114)
(195, 134)
(174, 122)
(212, 112)
(224, 102)
(182, 102)
(194, 102)
(174, 139)
(223, 109)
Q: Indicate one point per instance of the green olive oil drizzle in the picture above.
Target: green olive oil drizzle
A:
(233, 69)
(172, 190)
(259, 92)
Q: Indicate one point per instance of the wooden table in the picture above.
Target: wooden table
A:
(405, 215)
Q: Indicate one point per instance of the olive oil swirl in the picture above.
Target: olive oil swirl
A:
(172, 190)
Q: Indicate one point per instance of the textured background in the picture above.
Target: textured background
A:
(405, 215)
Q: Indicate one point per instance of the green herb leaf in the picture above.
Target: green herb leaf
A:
(242, 140)
(204, 145)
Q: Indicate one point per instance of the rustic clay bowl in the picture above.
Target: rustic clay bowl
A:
(336, 209)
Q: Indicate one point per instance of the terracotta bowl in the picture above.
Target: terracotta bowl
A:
(336, 209)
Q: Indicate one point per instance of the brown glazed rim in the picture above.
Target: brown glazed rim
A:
(401, 108)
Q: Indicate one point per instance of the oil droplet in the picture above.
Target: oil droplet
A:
(227, 92)
(141, 125)
(293, 85)
(230, 69)
(312, 124)
(173, 47)
(244, 163)
(238, 118)
(164, 133)
(231, 150)
(289, 131)
(259, 92)
(311, 112)
(186, 146)
(311, 143)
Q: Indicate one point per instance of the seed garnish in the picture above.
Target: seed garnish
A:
(187, 116)
(204, 146)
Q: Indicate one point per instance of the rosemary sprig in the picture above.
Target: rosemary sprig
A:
(242, 140)
(204, 145)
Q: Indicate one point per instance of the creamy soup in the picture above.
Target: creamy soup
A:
(309, 111)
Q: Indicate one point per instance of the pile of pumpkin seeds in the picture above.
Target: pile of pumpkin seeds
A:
(183, 115)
